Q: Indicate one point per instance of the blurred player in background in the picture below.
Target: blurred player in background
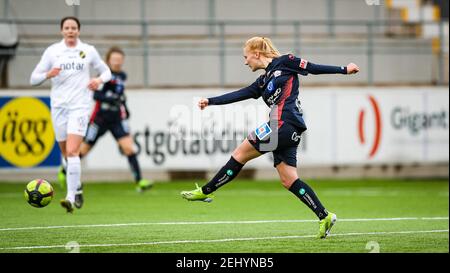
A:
(279, 88)
(111, 114)
(67, 63)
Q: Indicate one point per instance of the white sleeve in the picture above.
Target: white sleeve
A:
(39, 74)
(99, 65)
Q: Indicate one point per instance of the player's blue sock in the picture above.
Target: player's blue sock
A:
(135, 169)
(225, 175)
(307, 195)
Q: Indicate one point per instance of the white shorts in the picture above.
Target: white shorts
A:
(70, 121)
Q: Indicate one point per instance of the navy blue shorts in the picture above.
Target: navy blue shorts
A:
(284, 149)
(98, 128)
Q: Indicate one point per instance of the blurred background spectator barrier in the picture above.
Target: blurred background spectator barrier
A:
(198, 43)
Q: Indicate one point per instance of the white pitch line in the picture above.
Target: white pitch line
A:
(223, 222)
(228, 239)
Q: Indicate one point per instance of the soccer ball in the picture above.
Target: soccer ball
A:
(38, 193)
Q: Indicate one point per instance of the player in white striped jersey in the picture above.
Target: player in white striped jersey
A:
(67, 64)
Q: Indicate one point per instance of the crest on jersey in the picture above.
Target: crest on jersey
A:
(270, 86)
(82, 54)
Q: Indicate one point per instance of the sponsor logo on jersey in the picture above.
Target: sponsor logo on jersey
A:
(296, 137)
(303, 63)
(271, 100)
(263, 131)
(71, 66)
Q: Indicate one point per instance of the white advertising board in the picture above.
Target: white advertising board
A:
(345, 126)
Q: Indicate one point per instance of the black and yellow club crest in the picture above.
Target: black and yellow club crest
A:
(82, 54)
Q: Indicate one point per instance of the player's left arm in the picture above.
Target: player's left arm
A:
(317, 69)
(99, 65)
(352, 68)
(304, 67)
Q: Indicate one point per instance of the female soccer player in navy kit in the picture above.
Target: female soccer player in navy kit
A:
(278, 87)
(111, 114)
(67, 64)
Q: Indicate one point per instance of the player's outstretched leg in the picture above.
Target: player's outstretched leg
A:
(197, 195)
(308, 197)
(326, 224)
(225, 175)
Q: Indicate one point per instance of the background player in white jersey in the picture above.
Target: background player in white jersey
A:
(67, 63)
(111, 114)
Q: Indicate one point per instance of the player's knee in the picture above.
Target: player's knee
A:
(235, 154)
(127, 150)
(287, 181)
(239, 156)
(73, 152)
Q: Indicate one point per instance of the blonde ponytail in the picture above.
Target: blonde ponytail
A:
(262, 45)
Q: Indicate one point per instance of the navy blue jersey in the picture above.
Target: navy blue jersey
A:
(111, 100)
(279, 86)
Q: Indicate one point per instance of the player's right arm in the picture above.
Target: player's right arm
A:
(251, 91)
(44, 70)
